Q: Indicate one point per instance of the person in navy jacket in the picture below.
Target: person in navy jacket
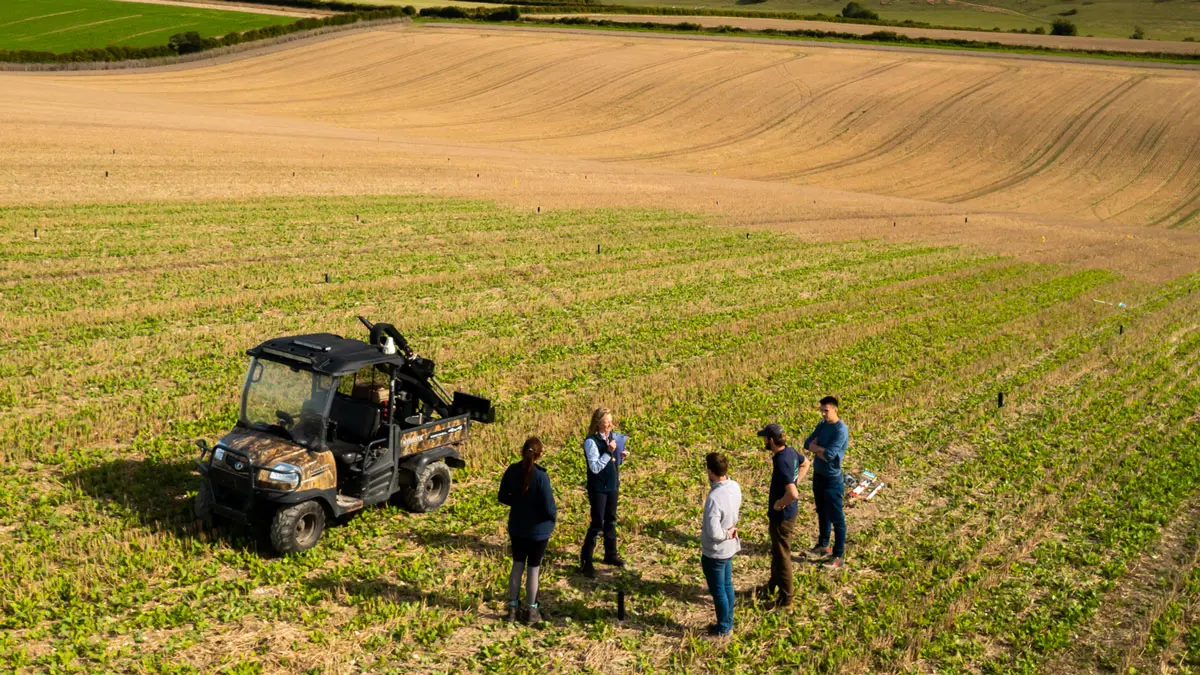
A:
(525, 489)
(603, 451)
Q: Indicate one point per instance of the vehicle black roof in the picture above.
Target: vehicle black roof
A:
(324, 353)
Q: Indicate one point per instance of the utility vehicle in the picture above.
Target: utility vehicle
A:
(328, 426)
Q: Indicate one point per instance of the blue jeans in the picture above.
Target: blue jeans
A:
(719, 575)
(827, 493)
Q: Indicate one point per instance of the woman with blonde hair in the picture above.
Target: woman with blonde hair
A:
(525, 488)
(604, 451)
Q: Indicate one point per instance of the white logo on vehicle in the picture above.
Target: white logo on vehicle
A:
(437, 434)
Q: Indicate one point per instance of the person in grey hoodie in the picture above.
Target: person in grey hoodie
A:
(719, 539)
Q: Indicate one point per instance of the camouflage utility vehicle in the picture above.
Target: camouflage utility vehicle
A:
(330, 425)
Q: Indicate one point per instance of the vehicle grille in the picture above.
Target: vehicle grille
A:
(230, 489)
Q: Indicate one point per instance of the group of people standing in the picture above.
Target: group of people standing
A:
(526, 489)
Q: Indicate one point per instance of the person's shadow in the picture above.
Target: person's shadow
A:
(387, 590)
(557, 607)
(459, 541)
(663, 531)
(610, 582)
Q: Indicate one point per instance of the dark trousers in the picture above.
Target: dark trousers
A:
(719, 575)
(781, 558)
(528, 551)
(827, 493)
(604, 519)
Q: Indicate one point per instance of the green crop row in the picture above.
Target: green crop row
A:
(997, 536)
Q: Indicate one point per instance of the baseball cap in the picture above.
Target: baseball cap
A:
(772, 431)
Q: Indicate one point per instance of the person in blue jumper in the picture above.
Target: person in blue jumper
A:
(604, 450)
(525, 489)
(827, 443)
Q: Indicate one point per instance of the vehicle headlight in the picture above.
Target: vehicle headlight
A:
(283, 472)
(219, 454)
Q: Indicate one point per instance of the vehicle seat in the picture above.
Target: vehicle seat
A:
(358, 422)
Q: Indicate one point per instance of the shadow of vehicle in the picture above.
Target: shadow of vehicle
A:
(157, 495)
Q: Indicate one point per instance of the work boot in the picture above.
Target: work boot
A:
(819, 551)
(615, 560)
(587, 569)
(513, 611)
(757, 594)
(534, 616)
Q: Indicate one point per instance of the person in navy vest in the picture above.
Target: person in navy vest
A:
(604, 451)
(827, 443)
(525, 489)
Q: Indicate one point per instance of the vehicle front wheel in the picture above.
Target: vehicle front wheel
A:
(430, 489)
(202, 506)
(297, 528)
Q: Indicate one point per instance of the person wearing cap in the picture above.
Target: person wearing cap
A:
(786, 465)
(719, 540)
(827, 443)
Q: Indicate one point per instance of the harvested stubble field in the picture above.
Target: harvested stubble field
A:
(1058, 533)
(1084, 141)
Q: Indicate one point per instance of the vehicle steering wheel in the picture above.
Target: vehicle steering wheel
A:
(286, 418)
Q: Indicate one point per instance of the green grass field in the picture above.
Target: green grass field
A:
(1165, 20)
(65, 25)
(1004, 532)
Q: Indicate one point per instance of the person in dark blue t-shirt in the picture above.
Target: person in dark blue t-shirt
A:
(525, 488)
(827, 443)
(787, 466)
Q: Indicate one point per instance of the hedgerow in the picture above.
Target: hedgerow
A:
(479, 14)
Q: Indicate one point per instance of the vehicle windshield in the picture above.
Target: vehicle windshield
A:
(287, 401)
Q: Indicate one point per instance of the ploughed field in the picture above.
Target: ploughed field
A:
(458, 183)
(1082, 141)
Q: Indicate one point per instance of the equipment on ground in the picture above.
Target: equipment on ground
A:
(864, 487)
(330, 425)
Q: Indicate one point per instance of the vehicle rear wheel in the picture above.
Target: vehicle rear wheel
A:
(297, 528)
(430, 489)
